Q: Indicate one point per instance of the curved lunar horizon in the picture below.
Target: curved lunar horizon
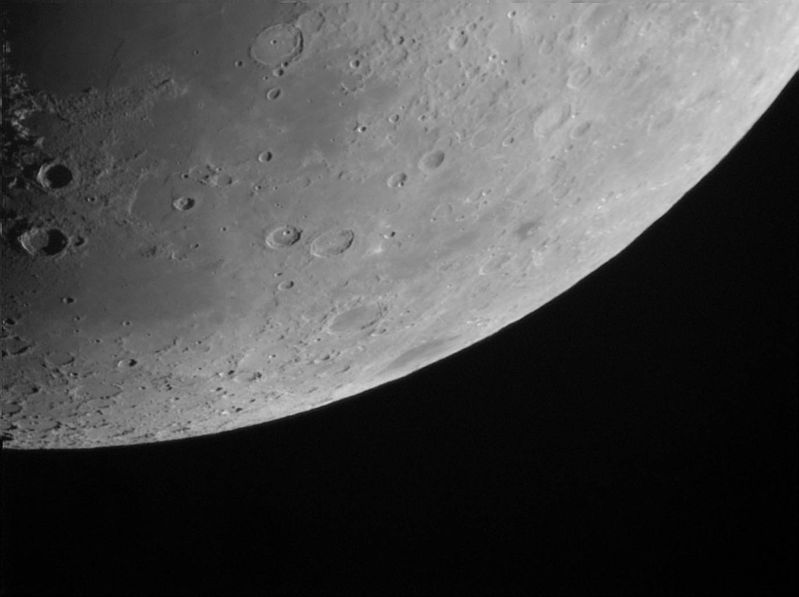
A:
(217, 215)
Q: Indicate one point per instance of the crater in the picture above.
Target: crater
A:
(432, 160)
(581, 130)
(495, 264)
(421, 355)
(457, 40)
(332, 243)
(551, 119)
(276, 45)
(397, 180)
(661, 120)
(184, 203)
(356, 319)
(283, 237)
(54, 176)
(527, 230)
(38, 241)
(578, 76)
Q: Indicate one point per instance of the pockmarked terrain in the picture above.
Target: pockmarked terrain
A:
(220, 214)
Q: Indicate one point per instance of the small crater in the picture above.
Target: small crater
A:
(184, 203)
(578, 76)
(285, 285)
(458, 40)
(563, 188)
(566, 36)
(482, 137)
(441, 212)
(283, 237)
(661, 120)
(127, 363)
(68, 300)
(397, 180)
(432, 160)
(551, 119)
(54, 176)
(332, 243)
(527, 230)
(274, 93)
(220, 179)
(495, 264)
(38, 241)
(546, 46)
(356, 319)
(265, 157)
(581, 130)
(211, 176)
(14, 346)
(310, 21)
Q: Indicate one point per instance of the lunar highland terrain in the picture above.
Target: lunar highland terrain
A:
(217, 214)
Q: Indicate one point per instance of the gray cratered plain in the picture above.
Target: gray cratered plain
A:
(220, 214)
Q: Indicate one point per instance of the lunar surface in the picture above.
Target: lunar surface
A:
(217, 214)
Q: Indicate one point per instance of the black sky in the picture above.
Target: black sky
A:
(636, 435)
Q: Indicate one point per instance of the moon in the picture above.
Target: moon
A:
(217, 215)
